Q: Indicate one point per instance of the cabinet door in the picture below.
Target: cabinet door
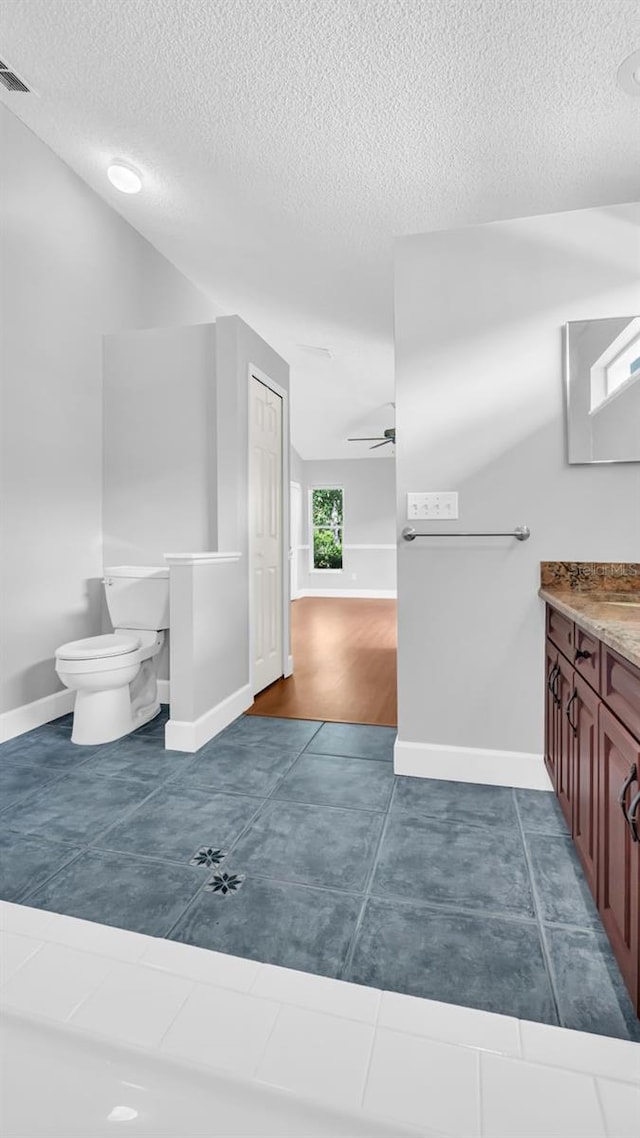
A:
(584, 726)
(550, 671)
(618, 853)
(564, 740)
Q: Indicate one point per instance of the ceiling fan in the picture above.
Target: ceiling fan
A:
(388, 436)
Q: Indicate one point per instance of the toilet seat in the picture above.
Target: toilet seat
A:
(100, 647)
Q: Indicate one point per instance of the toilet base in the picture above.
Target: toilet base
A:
(104, 716)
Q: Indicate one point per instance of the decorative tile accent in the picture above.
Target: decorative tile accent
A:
(224, 883)
(208, 856)
(277, 922)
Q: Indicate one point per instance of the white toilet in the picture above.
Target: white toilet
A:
(114, 675)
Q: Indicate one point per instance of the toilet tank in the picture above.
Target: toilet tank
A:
(138, 596)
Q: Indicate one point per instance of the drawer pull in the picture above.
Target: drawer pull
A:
(572, 725)
(632, 818)
(631, 777)
(582, 655)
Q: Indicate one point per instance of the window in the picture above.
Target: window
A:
(618, 367)
(624, 367)
(326, 528)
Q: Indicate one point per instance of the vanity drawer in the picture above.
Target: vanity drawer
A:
(560, 631)
(620, 688)
(586, 656)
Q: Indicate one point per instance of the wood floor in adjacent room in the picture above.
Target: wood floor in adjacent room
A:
(344, 654)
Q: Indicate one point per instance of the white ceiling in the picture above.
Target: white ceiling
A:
(284, 143)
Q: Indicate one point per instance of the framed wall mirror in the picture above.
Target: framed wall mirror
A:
(602, 374)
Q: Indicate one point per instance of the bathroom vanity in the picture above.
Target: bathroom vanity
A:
(592, 736)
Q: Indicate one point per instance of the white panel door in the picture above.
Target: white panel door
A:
(265, 488)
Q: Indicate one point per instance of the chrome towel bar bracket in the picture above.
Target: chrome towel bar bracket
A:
(521, 533)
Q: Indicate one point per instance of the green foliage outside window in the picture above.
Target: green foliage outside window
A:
(327, 528)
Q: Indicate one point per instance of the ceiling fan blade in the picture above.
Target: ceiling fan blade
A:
(366, 439)
(382, 444)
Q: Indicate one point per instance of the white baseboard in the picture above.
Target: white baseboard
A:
(164, 691)
(183, 735)
(373, 594)
(471, 764)
(289, 671)
(30, 715)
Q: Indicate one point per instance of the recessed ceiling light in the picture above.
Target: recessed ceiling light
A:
(629, 74)
(124, 178)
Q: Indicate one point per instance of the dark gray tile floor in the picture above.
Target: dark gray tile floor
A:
(321, 859)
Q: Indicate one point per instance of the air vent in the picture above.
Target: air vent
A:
(11, 81)
(313, 350)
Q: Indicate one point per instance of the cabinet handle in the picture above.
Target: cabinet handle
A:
(631, 777)
(554, 686)
(632, 818)
(553, 675)
(572, 725)
(581, 655)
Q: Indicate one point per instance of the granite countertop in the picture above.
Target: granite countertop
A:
(617, 625)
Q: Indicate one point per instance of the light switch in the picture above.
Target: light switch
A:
(435, 506)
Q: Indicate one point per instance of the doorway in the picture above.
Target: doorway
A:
(266, 531)
(294, 544)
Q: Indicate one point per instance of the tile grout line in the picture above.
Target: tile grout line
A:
(537, 910)
(256, 814)
(600, 1102)
(480, 1097)
(232, 845)
(271, 1033)
(348, 959)
(374, 1037)
(193, 987)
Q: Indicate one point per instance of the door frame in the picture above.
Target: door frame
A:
(254, 372)
(294, 550)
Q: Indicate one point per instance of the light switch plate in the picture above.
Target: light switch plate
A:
(434, 506)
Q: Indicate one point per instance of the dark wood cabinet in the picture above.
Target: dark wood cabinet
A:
(584, 719)
(592, 754)
(552, 669)
(618, 853)
(560, 631)
(564, 739)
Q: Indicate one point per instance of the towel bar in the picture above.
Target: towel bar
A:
(521, 533)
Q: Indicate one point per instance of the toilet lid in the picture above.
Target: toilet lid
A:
(99, 647)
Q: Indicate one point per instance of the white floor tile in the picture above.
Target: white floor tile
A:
(449, 1023)
(316, 1055)
(55, 981)
(523, 1100)
(621, 1105)
(226, 1030)
(120, 944)
(15, 950)
(24, 919)
(425, 1083)
(200, 964)
(133, 1004)
(580, 1051)
(318, 993)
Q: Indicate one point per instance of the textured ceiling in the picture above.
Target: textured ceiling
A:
(285, 142)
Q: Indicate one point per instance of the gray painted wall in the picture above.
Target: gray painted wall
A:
(159, 444)
(480, 409)
(72, 270)
(369, 521)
